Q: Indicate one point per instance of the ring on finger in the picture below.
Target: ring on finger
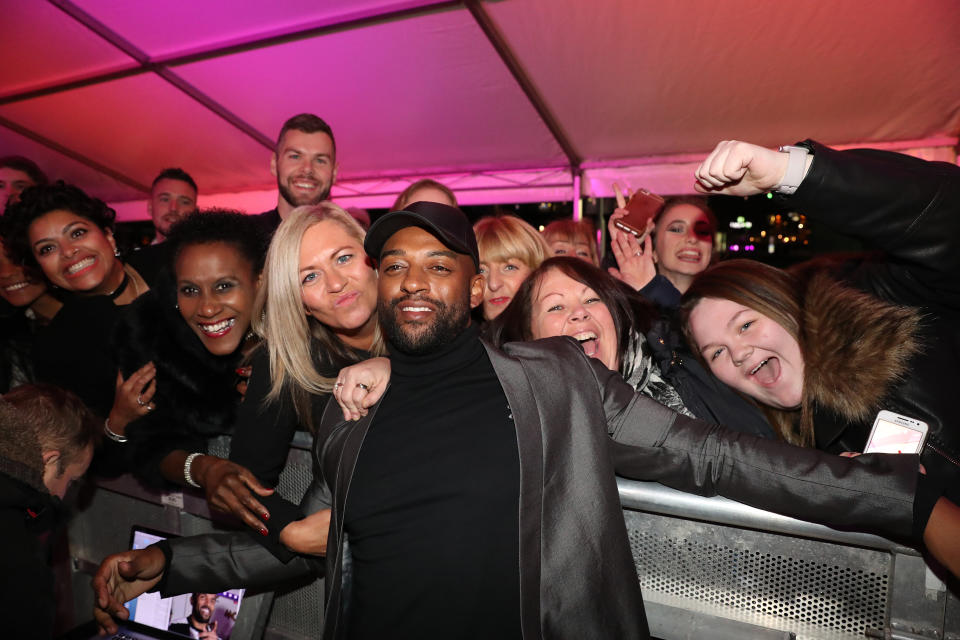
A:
(360, 385)
(337, 384)
(149, 407)
(140, 400)
(638, 253)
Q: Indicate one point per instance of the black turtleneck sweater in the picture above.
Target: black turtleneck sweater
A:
(432, 510)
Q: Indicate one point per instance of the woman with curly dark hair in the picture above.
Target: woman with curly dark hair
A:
(68, 236)
(182, 343)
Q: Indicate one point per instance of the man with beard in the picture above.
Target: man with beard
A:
(304, 164)
(478, 496)
(198, 624)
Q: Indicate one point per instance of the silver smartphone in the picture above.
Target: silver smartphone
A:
(894, 433)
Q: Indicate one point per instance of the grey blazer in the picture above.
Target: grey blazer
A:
(577, 424)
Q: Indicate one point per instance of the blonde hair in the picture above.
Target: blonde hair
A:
(279, 316)
(501, 238)
(571, 231)
(405, 196)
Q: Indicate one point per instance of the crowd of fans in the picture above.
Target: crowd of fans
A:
(256, 326)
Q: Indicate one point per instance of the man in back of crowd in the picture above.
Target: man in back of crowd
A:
(305, 165)
(47, 437)
(172, 196)
(16, 174)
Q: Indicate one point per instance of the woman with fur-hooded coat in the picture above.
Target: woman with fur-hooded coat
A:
(874, 332)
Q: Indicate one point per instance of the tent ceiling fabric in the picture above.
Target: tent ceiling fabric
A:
(105, 93)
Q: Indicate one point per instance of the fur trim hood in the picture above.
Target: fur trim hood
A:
(855, 346)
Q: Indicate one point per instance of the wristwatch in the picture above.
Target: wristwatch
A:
(796, 169)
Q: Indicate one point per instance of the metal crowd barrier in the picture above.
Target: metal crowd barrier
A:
(708, 567)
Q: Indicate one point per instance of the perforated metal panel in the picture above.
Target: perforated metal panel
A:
(298, 612)
(819, 590)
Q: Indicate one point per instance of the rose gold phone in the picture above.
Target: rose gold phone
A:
(641, 209)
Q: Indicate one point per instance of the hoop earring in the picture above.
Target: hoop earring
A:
(116, 253)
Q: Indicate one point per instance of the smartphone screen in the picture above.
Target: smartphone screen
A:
(888, 437)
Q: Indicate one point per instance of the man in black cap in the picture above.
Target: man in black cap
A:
(478, 495)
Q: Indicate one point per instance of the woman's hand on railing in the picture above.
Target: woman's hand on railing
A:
(360, 386)
(230, 488)
(309, 535)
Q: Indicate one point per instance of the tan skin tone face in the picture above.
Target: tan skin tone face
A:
(305, 167)
(12, 184)
(169, 201)
(338, 283)
(749, 352)
(74, 253)
(562, 306)
(503, 278)
(57, 482)
(216, 287)
(683, 244)
(577, 249)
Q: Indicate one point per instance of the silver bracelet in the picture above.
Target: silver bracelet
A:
(186, 470)
(116, 437)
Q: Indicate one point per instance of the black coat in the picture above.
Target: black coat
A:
(28, 517)
(908, 210)
(196, 395)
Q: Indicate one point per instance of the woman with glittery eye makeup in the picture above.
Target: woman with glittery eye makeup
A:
(68, 236)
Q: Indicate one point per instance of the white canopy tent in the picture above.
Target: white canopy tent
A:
(503, 100)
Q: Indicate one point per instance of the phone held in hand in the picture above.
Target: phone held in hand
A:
(642, 207)
(894, 433)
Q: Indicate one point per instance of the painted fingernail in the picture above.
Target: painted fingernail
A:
(263, 531)
(265, 515)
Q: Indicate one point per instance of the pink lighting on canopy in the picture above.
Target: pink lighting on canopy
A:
(509, 101)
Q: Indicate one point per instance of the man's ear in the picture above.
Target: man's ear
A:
(477, 285)
(273, 164)
(51, 457)
(333, 176)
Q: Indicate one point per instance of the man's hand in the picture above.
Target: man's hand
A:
(309, 535)
(942, 533)
(121, 578)
(740, 169)
(210, 633)
(230, 488)
(359, 386)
